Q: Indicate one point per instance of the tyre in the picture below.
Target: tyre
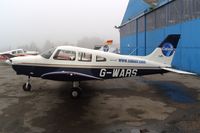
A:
(27, 87)
(75, 93)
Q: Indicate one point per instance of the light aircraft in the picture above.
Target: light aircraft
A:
(107, 48)
(16, 52)
(69, 63)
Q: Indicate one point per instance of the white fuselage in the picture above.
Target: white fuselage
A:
(112, 60)
(85, 63)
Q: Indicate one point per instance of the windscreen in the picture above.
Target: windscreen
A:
(48, 53)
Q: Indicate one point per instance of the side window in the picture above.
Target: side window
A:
(65, 55)
(20, 52)
(82, 56)
(100, 59)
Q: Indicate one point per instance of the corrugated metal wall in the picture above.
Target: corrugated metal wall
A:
(144, 34)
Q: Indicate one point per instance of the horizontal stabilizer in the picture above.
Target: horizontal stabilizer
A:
(178, 71)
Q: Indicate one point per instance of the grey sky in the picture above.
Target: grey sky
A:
(24, 21)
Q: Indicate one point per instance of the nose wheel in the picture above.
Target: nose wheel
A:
(76, 90)
(27, 85)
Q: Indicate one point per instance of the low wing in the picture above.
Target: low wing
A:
(178, 71)
(68, 76)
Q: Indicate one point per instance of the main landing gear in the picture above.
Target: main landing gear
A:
(27, 85)
(76, 90)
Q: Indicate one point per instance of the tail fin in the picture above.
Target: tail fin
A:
(164, 53)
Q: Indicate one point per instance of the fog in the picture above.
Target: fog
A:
(27, 22)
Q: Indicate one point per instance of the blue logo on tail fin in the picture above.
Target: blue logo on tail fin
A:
(106, 48)
(168, 49)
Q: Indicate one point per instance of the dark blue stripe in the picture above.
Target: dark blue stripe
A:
(38, 71)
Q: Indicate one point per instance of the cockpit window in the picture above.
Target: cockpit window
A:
(48, 53)
(65, 55)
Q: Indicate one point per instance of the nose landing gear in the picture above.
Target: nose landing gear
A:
(27, 85)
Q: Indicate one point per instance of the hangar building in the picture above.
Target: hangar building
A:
(147, 22)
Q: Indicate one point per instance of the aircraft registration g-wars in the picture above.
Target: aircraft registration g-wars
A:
(69, 63)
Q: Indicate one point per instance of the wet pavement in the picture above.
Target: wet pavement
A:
(153, 104)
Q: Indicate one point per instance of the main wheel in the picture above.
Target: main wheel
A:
(27, 87)
(75, 93)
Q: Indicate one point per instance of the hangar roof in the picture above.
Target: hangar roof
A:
(137, 7)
